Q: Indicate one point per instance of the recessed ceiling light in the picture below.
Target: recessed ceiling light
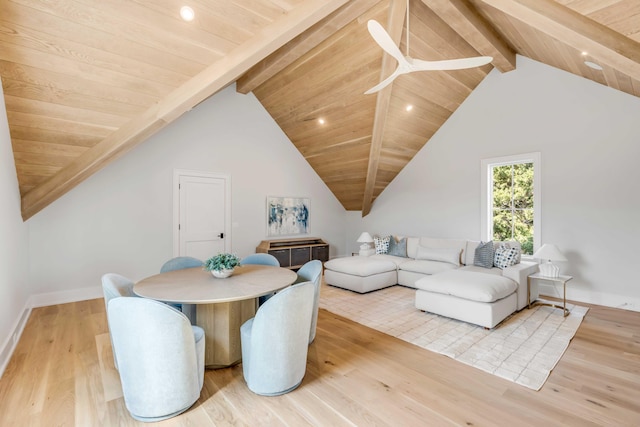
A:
(585, 53)
(593, 65)
(321, 121)
(408, 107)
(187, 13)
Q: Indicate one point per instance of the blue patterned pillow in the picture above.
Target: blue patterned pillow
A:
(483, 256)
(505, 256)
(382, 244)
(398, 247)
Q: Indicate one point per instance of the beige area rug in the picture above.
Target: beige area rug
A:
(524, 348)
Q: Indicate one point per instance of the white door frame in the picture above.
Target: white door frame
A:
(177, 173)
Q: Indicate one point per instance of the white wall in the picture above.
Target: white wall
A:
(588, 136)
(14, 239)
(120, 219)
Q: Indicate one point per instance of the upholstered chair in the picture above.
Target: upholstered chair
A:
(261, 259)
(115, 286)
(160, 356)
(311, 271)
(275, 342)
(180, 263)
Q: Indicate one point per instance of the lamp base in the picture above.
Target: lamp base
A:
(549, 270)
(367, 252)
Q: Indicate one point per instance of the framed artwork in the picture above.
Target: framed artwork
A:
(287, 216)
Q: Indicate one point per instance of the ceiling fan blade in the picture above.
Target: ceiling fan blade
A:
(385, 82)
(385, 41)
(449, 64)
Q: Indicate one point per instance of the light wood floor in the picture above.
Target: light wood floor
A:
(62, 374)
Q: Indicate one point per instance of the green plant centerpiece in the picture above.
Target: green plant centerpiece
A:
(222, 265)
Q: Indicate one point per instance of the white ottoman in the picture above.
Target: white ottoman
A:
(480, 298)
(360, 274)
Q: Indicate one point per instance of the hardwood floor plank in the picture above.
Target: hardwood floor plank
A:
(62, 373)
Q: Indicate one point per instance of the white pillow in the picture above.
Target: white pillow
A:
(452, 256)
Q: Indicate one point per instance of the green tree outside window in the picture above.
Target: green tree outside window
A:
(513, 204)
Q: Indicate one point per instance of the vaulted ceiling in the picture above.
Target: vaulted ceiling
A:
(86, 80)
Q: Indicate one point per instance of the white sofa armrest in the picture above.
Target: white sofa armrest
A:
(519, 273)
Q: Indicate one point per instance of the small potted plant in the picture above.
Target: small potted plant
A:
(222, 265)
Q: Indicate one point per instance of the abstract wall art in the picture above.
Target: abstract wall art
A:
(287, 216)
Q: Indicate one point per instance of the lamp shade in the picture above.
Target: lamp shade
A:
(549, 252)
(365, 238)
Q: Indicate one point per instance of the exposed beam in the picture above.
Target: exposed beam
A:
(606, 46)
(395, 24)
(466, 21)
(302, 44)
(208, 82)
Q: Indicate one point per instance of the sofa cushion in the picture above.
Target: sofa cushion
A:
(426, 266)
(468, 285)
(397, 260)
(451, 256)
(483, 255)
(360, 266)
(414, 242)
(381, 244)
(494, 270)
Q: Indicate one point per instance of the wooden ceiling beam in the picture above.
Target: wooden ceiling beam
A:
(302, 44)
(467, 22)
(208, 82)
(395, 24)
(604, 45)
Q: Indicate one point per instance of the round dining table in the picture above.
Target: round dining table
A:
(222, 305)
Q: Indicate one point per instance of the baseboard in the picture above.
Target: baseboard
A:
(9, 345)
(590, 297)
(63, 297)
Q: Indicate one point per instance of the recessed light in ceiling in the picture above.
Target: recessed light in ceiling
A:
(593, 65)
(187, 13)
(321, 121)
(408, 107)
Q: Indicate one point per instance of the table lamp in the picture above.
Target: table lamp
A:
(549, 252)
(365, 238)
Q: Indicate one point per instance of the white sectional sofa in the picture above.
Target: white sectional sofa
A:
(445, 278)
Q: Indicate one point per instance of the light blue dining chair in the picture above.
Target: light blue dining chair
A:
(180, 263)
(311, 271)
(160, 355)
(275, 342)
(115, 286)
(261, 259)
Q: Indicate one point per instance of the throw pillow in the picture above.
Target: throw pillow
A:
(451, 256)
(483, 256)
(382, 244)
(505, 256)
(398, 247)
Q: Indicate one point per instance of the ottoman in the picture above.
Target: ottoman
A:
(360, 274)
(484, 299)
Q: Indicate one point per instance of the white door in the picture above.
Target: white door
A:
(203, 214)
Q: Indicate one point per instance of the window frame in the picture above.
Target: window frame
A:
(486, 194)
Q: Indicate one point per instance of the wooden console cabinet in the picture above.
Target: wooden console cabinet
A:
(293, 253)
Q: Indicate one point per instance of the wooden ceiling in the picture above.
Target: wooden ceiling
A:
(86, 80)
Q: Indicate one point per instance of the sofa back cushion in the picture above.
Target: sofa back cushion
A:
(428, 242)
(448, 255)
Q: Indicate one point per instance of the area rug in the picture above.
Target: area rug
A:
(524, 348)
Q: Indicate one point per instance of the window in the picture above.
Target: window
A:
(511, 200)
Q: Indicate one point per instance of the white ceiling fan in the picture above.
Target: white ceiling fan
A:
(406, 64)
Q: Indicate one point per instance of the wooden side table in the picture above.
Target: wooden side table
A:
(559, 279)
